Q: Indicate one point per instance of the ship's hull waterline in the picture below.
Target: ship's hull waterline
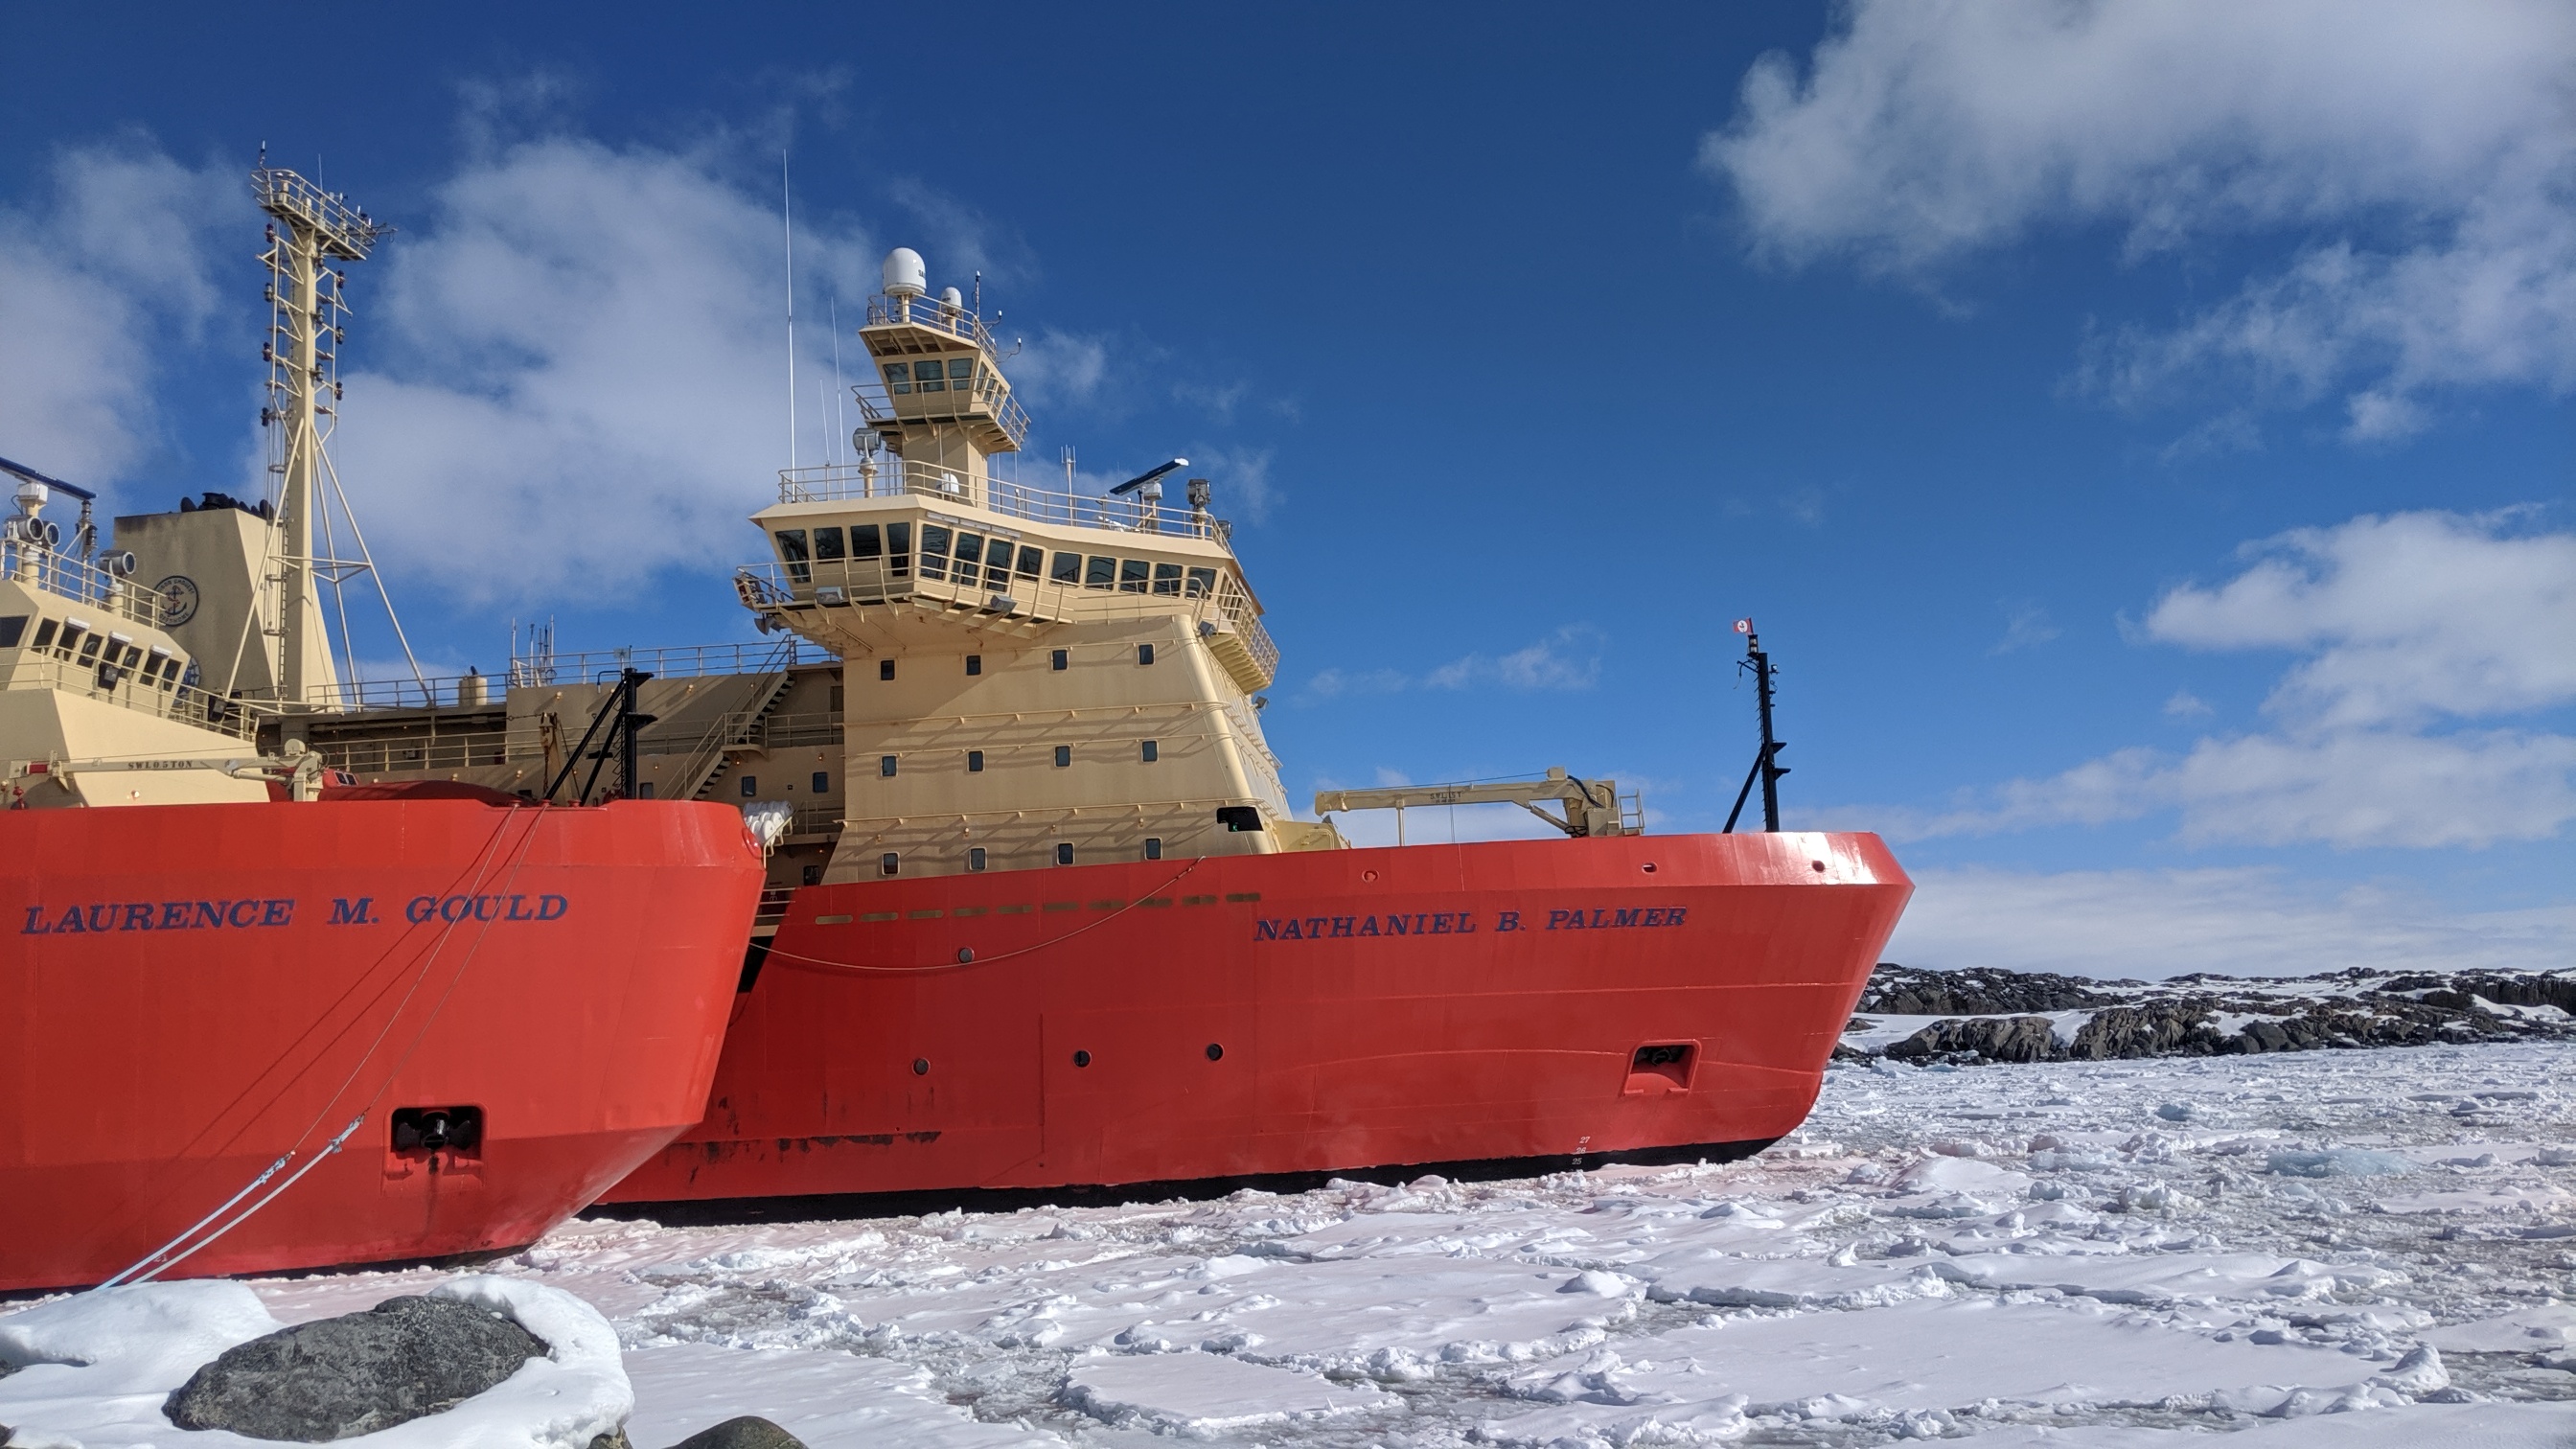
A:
(192, 991)
(1259, 1015)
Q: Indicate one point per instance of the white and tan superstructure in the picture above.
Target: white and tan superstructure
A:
(1031, 676)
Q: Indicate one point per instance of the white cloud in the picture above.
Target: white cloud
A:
(2246, 921)
(101, 283)
(2406, 623)
(1569, 658)
(2026, 626)
(2187, 705)
(2417, 163)
(588, 375)
(2407, 617)
(1059, 369)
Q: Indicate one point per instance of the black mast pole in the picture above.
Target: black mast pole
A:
(1766, 765)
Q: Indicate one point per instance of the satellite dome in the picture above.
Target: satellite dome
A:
(905, 276)
(951, 298)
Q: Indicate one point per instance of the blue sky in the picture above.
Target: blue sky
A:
(2142, 435)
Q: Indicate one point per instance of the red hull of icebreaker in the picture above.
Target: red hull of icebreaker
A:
(1252, 1015)
(190, 991)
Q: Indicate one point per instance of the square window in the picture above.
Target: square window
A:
(1061, 659)
(1100, 573)
(1134, 574)
(863, 541)
(813, 875)
(644, 791)
(822, 781)
(886, 863)
(1151, 751)
(898, 377)
(975, 857)
(885, 669)
(1032, 560)
(974, 663)
(970, 550)
(1167, 578)
(1202, 582)
(791, 552)
(1067, 568)
(961, 367)
(926, 376)
(1144, 653)
(827, 544)
(974, 762)
(1064, 855)
(1063, 756)
(1153, 847)
(885, 767)
(750, 786)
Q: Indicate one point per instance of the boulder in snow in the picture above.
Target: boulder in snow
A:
(335, 1377)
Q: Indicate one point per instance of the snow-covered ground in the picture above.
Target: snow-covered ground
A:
(2358, 1248)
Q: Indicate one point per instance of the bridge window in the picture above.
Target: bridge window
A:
(899, 548)
(975, 857)
(1067, 568)
(926, 376)
(1151, 751)
(974, 762)
(44, 635)
(863, 541)
(1063, 854)
(827, 544)
(791, 551)
(970, 554)
(1100, 573)
(1032, 560)
(1167, 578)
(934, 551)
(959, 368)
(1202, 582)
(11, 628)
(88, 649)
(1132, 575)
(898, 377)
(1153, 847)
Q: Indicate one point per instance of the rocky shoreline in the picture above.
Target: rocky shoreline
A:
(1989, 1015)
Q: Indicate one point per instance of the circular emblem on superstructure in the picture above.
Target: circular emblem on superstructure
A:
(178, 600)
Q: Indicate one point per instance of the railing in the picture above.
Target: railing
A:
(84, 583)
(680, 661)
(899, 477)
(183, 703)
(347, 231)
(932, 313)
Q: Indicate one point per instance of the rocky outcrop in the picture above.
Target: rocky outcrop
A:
(1904, 991)
(2205, 1015)
(747, 1432)
(338, 1377)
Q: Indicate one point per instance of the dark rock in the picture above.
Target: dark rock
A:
(613, 1439)
(2155, 1029)
(1994, 1039)
(1905, 991)
(747, 1432)
(330, 1379)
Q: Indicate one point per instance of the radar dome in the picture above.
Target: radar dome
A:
(905, 276)
(951, 298)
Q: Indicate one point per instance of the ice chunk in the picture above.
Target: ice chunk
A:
(1200, 1394)
(2338, 1162)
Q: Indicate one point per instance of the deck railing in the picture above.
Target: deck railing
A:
(884, 477)
(185, 704)
(66, 576)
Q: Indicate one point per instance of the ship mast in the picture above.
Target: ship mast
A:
(312, 227)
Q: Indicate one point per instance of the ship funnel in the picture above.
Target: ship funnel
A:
(905, 276)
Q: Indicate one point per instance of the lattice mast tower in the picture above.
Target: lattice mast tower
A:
(308, 312)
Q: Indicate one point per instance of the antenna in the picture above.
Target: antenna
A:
(1766, 765)
(840, 414)
(1150, 475)
(787, 220)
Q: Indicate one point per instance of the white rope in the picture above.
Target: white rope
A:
(328, 1149)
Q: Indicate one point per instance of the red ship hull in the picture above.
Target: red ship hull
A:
(1250, 1016)
(191, 991)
